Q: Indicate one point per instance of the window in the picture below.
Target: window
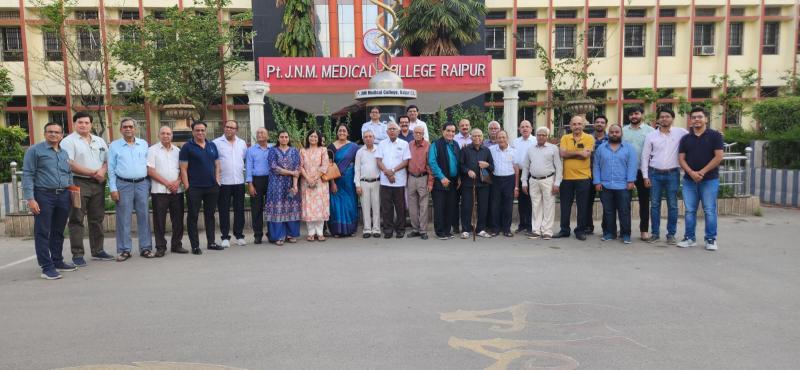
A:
(769, 91)
(89, 43)
(772, 11)
(736, 38)
(527, 113)
(244, 42)
(129, 33)
(9, 14)
(159, 14)
(733, 118)
(737, 12)
(496, 42)
(56, 101)
(636, 13)
(667, 12)
(598, 13)
(86, 14)
(59, 117)
(705, 12)
(634, 40)
(666, 40)
(771, 37)
(526, 42)
(19, 119)
(596, 41)
(240, 99)
(702, 93)
(347, 30)
(526, 14)
(565, 41)
(52, 46)
(566, 14)
(322, 29)
(496, 15)
(704, 39)
(129, 14)
(11, 44)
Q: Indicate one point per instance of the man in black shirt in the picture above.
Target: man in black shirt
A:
(476, 167)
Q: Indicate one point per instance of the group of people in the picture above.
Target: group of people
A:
(472, 181)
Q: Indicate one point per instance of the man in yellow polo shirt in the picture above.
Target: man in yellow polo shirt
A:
(576, 151)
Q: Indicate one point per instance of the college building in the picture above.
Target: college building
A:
(670, 45)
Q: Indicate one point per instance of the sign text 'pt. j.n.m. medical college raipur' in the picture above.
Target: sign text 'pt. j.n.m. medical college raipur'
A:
(356, 72)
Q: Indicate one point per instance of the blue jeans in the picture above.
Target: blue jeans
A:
(695, 192)
(133, 196)
(48, 226)
(616, 203)
(661, 182)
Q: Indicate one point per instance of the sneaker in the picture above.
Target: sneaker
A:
(50, 275)
(686, 243)
(442, 237)
(63, 266)
(80, 262)
(102, 256)
(547, 237)
(533, 236)
(225, 243)
(607, 237)
(654, 239)
(671, 240)
(711, 245)
(451, 236)
(484, 234)
(626, 239)
(465, 235)
(241, 242)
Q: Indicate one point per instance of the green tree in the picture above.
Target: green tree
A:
(778, 115)
(6, 87)
(187, 57)
(731, 100)
(11, 141)
(439, 27)
(298, 38)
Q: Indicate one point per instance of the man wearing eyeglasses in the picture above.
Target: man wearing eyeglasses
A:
(232, 152)
(375, 125)
(45, 177)
(576, 149)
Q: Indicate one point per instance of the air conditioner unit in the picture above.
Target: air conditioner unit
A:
(124, 86)
(705, 50)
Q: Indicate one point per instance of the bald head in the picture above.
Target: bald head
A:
(525, 128)
(165, 135)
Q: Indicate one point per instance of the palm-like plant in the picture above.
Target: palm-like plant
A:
(439, 27)
(298, 38)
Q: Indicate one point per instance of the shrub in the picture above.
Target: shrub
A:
(783, 149)
(11, 141)
(778, 114)
(741, 137)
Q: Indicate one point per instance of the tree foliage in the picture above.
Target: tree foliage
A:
(439, 27)
(11, 141)
(778, 115)
(182, 55)
(298, 38)
(6, 87)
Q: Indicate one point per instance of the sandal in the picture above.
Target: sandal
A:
(279, 242)
(123, 256)
(310, 238)
(321, 238)
(291, 240)
(146, 253)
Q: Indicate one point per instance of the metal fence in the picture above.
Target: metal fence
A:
(216, 129)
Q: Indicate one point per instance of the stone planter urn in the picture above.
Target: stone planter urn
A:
(181, 113)
(580, 106)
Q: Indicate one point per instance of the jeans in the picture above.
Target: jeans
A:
(695, 192)
(577, 190)
(208, 198)
(616, 203)
(48, 226)
(644, 202)
(133, 196)
(226, 193)
(664, 182)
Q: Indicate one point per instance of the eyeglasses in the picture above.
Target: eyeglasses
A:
(698, 117)
(229, 127)
(127, 126)
(53, 132)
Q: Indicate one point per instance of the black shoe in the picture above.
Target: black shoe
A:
(400, 235)
(508, 234)
(376, 235)
(387, 236)
(589, 231)
(561, 234)
(257, 241)
(179, 250)
(161, 253)
(215, 247)
(456, 231)
(366, 235)
(197, 251)
(414, 234)
(580, 236)
(423, 236)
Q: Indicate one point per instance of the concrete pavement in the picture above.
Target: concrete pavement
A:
(406, 304)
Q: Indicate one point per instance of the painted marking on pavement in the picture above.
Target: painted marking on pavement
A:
(18, 262)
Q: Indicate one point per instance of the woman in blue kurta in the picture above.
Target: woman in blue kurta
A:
(282, 208)
(344, 208)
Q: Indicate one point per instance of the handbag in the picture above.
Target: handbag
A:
(486, 177)
(333, 173)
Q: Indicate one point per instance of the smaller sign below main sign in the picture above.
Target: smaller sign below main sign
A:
(386, 93)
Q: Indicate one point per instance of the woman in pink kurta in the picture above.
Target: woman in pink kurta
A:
(316, 199)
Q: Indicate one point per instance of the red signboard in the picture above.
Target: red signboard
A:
(331, 75)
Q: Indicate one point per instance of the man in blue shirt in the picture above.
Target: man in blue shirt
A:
(200, 175)
(600, 137)
(130, 187)
(257, 178)
(614, 173)
(45, 176)
(443, 160)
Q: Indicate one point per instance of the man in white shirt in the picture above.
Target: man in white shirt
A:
(88, 161)
(413, 112)
(367, 179)
(163, 167)
(463, 137)
(542, 164)
(661, 172)
(232, 152)
(375, 125)
(393, 156)
(504, 186)
(521, 145)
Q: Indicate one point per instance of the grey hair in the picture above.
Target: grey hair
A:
(126, 119)
(543, 130)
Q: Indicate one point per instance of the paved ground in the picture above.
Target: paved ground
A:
(354, 304)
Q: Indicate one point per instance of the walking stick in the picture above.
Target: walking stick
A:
(474, 210)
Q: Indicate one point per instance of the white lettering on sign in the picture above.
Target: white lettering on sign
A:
(339, 71)
(358, 71)
(386, 93)
(461, 70)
